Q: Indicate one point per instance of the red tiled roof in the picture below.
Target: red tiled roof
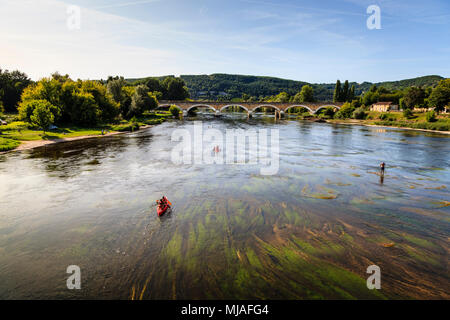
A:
(382, 103)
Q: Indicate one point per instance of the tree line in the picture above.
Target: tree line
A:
(89, 102)
(60, 100)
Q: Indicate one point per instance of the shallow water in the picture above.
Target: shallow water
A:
(308, 232)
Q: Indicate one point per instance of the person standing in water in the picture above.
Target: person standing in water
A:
(382, 165)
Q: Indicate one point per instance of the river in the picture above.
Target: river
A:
(310, 231)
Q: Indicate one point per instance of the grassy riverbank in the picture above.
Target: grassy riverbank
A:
(397, 119)
(18, 132)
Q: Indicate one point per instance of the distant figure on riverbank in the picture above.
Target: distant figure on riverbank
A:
(382, 165)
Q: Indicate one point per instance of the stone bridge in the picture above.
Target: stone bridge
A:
(250, 107)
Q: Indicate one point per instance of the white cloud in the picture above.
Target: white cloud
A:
(35, 38)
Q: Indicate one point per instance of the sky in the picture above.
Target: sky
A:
(316, 41)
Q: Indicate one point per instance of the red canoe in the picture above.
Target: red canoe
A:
(162, 210)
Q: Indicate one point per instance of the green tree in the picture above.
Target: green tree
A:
(337, 92)
(108, 108)
(141, 101)
(351, 94)
(85, 110)
(176, 89)
(345, 92)
(26, 108)
(12, 85)
(281, 97)
(46, 89)
(440, 96)
(42, 115)
(370, 97)
(413, 96)
(154, 84)
(114, 88)
(305, 95)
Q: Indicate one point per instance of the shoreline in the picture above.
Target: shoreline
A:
(393, 127)
(29, 145)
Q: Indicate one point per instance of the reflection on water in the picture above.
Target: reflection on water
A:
(310, 231)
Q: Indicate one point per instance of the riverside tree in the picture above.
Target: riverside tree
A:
(80, 102)
(413, 96)
(306, 94)
(142, 101)
(440, 96)
(42, 115)
(12, 85)
(337, 91)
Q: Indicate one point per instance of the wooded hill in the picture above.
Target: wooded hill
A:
(229, 86)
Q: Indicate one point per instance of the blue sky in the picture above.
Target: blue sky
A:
(313, 41)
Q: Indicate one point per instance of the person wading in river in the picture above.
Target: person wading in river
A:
(382, 165)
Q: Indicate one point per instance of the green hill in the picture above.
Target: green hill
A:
(229, 86)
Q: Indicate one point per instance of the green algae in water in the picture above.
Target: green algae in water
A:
(253, 258)
(325, 193)
(419, 241)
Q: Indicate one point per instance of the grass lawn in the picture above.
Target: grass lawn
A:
(8, 144)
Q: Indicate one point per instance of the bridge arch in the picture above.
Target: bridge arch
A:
(201, 105)
(235, 105)
(266, 105)
(326, 106)
(298, 106)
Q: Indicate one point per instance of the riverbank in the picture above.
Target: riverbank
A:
(18, 135)
(27, 145)
(372, 124)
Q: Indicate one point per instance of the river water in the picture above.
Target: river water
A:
(310, 231)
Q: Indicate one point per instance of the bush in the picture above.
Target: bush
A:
(407, 113)
(175, 111)
(345, 112)
(387, 117)
(359, 113)
(305, 115)
(326, 113)
(431, 116)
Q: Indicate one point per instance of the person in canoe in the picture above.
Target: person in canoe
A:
(163, 205)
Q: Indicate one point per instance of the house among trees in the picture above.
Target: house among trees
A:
(384, 107)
